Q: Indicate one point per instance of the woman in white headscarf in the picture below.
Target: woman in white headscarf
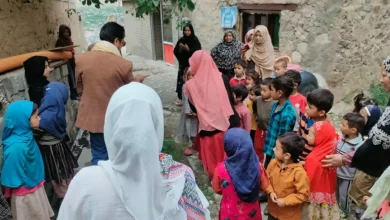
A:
(134, 184)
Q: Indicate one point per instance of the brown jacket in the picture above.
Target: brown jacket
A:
(98, 75)
(290, 184)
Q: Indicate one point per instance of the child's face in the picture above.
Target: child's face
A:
(279, 154)
(346, 130)
(239, 70)
(252, 96)
(34, 120)
(276, 94)
(313, 111)
(311, 136)
(265, 92)
(279, 69)
(385, 79)
(249, 82)
(47, 71)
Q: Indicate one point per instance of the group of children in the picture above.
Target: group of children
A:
(295, 135)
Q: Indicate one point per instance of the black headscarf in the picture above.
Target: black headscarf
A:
(62, 40)
(193, 43)
(33, 71)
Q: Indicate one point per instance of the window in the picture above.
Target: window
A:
(250, 19)
(167, 23)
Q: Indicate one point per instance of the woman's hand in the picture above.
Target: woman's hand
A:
(184, 46)
(333, 160)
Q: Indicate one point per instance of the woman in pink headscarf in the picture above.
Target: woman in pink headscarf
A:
(211, 98)
(249, 36)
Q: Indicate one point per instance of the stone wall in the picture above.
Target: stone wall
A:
(29, 27)
(13, 87)
(344, 41)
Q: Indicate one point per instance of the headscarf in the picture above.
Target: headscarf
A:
(52, 109)
(225, 53)
(322, 180)
(106, 46)
(386, 63)
(207, 92)
(262, 54)
(242, 164)
(248, 34)
(23, 164)
(373, 115)
(34, 68)
(193, 44)
(134, 133)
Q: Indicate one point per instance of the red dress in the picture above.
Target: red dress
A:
(231, 206)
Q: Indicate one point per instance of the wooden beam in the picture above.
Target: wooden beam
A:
(267, 7)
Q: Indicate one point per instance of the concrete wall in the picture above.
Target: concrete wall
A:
(28, 27)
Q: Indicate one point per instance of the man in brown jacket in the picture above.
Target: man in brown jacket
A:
(99, 74)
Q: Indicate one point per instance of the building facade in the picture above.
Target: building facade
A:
(344, 41)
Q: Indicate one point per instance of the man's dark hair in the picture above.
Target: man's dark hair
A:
(112, 30)
(285, 84)
(355, 120)
(256, 90)
(240, 91)
(322, 99)
(267, 82)
(241, 63)
(295, 76)
(254, 75)
(292, 144)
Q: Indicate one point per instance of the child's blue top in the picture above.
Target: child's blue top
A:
(23, 164)
(280, 122)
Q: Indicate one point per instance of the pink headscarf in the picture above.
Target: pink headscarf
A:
(207, 92)
(248, 34)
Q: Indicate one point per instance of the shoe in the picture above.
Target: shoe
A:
(266, 210)
(187, 151)
(178, 102)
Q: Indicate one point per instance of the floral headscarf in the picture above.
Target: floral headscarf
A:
(386, 62)
(225, 53)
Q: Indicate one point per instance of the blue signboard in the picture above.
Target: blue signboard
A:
(228, 17)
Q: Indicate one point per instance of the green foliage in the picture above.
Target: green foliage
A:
(70, 11)
(379, 94)
(175, 150)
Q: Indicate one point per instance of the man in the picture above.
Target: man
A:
(99, 74)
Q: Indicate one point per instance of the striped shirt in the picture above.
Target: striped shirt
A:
(281, 121)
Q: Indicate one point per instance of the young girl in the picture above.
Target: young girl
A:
(36, 71)
(239, 178)
(369, 110)
(57, 157)
(188, 127)
(252, 79)
(323, 181)
(289, 185)
(23, 171)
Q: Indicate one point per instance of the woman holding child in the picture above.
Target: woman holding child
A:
(260, 55)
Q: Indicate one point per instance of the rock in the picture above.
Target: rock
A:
(302, 48)
(296, 57)
(322, 39)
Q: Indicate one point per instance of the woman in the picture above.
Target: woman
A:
(260, 54)
(372, 158)
(64, 40)
(249, 36)
(184, 49)
(36, 72)
(133, 184)
(226, 52)
(211, 98)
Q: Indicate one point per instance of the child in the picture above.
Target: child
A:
(319, 102)
(240, 93)
(254, 92)
(252, 78)
(296, 98)
(283, 115)
(351, 139)
(289, 185)
(23, 172)
(262, 111)
(188, 126)
(58, 159)
(239, 178)
(369, 110)
(280, 67)
(239, 73)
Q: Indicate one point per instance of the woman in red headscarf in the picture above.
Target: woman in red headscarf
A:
(211, 98)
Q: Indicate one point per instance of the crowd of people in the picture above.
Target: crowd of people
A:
(258, 139)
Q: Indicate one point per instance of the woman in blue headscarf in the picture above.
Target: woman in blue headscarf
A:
(240, 178)
(23, 172)
(57, 157)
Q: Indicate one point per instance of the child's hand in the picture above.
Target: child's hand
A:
(365, 198)
(273, 197)
(280, 202)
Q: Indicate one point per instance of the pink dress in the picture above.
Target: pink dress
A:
(231, 205)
